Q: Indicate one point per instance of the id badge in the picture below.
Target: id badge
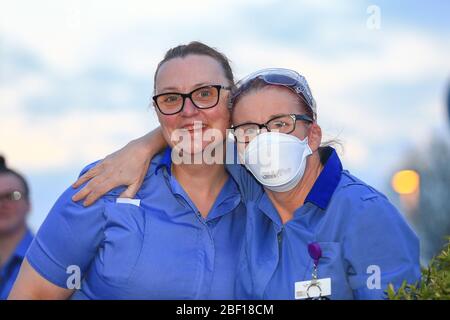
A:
(315, 288)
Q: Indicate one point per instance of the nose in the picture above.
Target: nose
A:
(189, 108)
(257, 133)
(262, 130)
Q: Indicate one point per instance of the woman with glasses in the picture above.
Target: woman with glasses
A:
(314, 231)
(180, 237)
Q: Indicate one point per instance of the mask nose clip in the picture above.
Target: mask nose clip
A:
(260, 129)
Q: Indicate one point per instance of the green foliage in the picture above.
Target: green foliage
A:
(435, 282)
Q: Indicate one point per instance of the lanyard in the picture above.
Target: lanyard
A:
(315, 252)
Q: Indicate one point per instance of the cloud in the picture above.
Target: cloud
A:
(57, 142)
(360, 124)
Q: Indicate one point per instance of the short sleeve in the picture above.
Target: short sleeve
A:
(69, 236)
(381, 249)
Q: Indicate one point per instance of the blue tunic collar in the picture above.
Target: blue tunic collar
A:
(327, 181)
(166, 161)
(227, 200)
(321, 192)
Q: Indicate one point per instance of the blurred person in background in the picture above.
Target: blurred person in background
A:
(15, 237)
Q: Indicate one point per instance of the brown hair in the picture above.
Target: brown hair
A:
(199, 48)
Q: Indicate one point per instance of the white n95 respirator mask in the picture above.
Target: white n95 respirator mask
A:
(277, 160)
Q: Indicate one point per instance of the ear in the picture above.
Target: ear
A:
(314, 137)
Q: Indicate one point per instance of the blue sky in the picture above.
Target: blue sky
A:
(76, 76)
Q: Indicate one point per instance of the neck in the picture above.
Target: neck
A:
(9, 242)
(205, 175)
(202, 182)
(287, 202)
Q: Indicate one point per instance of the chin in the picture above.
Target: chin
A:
(7, 227)
(200, 148)
(205, 152)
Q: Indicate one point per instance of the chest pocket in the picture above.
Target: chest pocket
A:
(124, 238)
(332, 265)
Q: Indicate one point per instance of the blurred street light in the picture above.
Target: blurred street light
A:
(405, 181)
(407, 184)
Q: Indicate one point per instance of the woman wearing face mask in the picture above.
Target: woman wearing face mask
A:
(316, 231)
(180, 237)
(313, 230)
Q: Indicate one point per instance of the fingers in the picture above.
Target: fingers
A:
(92, 193)
(94, 189)
(92, 175)
(81, 194)
(98, 190)
(131, 191)
(111, 172)
(87, 176)
(91, 198)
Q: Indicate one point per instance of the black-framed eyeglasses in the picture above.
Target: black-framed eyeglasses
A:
(206, 97)
(12, 196)
(245, 132)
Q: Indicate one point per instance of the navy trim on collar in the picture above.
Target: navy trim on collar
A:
(165, 162)
(326, 183)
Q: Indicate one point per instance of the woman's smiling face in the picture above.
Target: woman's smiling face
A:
(183, 75)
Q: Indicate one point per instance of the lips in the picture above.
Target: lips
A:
(191, 127)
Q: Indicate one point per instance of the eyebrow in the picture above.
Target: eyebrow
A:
(175, 89)
(270, 118)
(277, 115)
(273, 116)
